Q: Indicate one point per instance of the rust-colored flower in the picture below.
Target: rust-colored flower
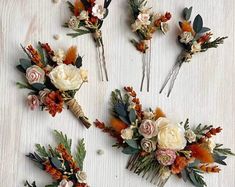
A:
(142, 46)
(54, 102)
(57, 175)
(179, 164)
(209, 169)
(205, 38)
(36, 58)
(168, 15)
(48, 49)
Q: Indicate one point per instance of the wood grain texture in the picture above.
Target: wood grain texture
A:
(204, 91)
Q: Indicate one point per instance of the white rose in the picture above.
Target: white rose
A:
(148, 145)
(196, 47)
(136, 25)
(65, 183)
(66, 77)
(99, 11)
(73, 23)
(190, 136)
(81, 176)
(127, 134)
(170, 135)
(164, 27)
(35, 74)
(83, 15)
(186, 37)
(59, 56)
(83, 74)
(144, 18)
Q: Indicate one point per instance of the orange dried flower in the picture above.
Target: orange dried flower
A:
(118, 125)
(179, 164)
(141, 46)
(186, 26)
(209, 169)
(159, 113)
(54, 102)
(71, 55)
(57, 175)
(36, 58)
(77, 7)
(201, 153)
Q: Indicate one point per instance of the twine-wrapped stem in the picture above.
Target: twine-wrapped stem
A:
(76, 109)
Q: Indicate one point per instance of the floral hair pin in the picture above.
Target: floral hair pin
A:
(193, 39)
(87, 18)
(145, 24)
(66, 170)
(158, 147)
(53, 77)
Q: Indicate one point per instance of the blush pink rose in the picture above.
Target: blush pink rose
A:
(165, 157)
(35, 74)
(148, 129)
(33, 102)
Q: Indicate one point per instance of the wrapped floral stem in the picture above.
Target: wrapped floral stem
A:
(65, 169)
(158, 147)
(144, 24)
(194, 39)
(54, 78)
(88, 17)
(76, 109)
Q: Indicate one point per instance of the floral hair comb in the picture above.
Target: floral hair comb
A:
(193, 39)
(66, 170)
(88, 17)
(53, 77)
(145, 24)
(158, 147)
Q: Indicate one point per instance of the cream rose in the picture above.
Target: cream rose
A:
(127, 133)
(66, 77)
(170, 135)
(196, 47)
(148, 145)
(65, 183)
(144, 18)
(81, 176)
(211, 145)
(186, 37)
(73, 23)
(99, 11)
(190, 136)
(35, 74)
(84, 75)
(148, 129)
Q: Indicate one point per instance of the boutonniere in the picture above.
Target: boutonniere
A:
(53, 78)
(159, 147)
(144, 24)
(194, 38)
(88, 17)
(65, 169)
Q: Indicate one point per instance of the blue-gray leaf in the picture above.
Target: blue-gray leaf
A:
(198, 24)
(25, 63)
(132, 143)
(38, 86)
(130, 151)
(132, 116)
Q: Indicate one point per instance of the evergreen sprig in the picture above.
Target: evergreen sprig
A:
(223, 151)
(63, 139)
(195, 177)
(213, 44)
(200, 130)
(81, 154)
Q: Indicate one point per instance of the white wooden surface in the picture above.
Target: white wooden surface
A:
(204, 91)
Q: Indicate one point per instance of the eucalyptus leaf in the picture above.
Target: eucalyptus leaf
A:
(132, 143)
(78, 62)
(187, 13)
(25, 63)
(56, 163)
(130, 151)
(198, 24)
(204, 29)
(38, 86)
(132, 115)
(21, 69)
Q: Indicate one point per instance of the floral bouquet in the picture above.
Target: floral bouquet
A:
(53, 77)
(193, 39)
(158, 147)
(87, 18)
(66, 170)
(145, 24)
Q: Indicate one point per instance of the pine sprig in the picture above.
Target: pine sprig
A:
(41, 150)
(223, 151)
(63, 139)
(213, 44)
(81, 154)
(195, 176)
(200, 130)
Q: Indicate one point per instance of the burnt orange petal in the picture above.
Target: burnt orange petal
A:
(159, 113)
(71, 55)
(186, 26)
(201, 153)
(118, 125)
(77, 7)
